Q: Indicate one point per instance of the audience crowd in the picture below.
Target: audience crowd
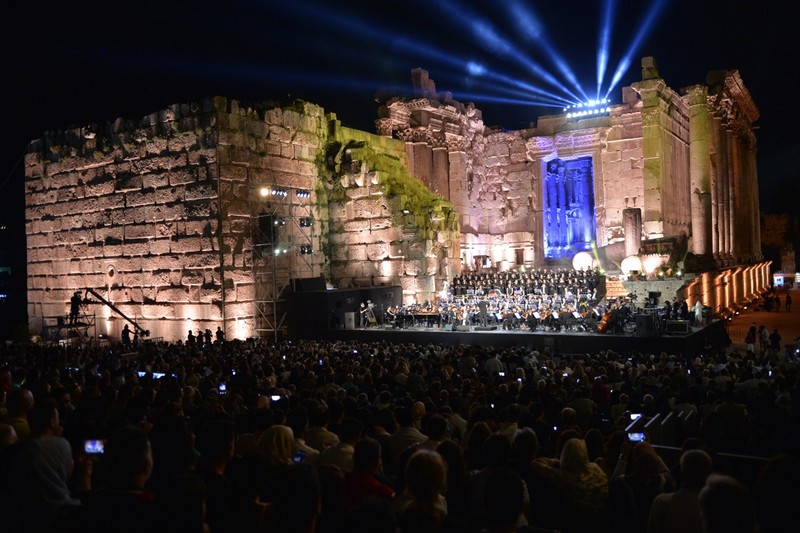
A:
(347, 436)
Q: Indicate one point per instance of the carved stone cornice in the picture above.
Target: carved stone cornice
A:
(729, 100)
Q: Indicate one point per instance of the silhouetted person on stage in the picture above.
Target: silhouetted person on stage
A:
(74, 307)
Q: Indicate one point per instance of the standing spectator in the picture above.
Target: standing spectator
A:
(74, 307)
(216, 446)
(19, 404)
(763, 339)
(750, 339)
(123, 504)
(126, 335)
(41, 473)
(775, 341)
(788, 301)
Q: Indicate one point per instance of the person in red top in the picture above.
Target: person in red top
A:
(361, 482)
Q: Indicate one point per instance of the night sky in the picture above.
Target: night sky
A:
(80, 62)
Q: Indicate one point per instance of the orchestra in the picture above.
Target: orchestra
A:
(540, 300)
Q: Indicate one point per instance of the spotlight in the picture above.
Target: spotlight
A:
(302, 194)
(306, 222)
(264, 191)
(590, 108)
(406, 211)
(306, 249)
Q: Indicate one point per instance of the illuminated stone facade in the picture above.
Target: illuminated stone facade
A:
(201, 215)
(684, 160)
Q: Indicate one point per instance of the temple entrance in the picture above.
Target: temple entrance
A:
(569, 221)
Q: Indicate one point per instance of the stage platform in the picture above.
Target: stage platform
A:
(567, 343)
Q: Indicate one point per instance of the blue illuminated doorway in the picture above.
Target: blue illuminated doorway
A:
(569, 221)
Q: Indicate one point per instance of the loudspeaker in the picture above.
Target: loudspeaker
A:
(485, 328)
(462, 328)
(448, 327)
(350, 320)
(644, 326)
(266, 229)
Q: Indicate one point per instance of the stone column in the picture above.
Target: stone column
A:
(736, 196)
(699, 169)
(457, 160)
(653, 218)
(753, 196)
(439, 169)
(728, 186)
(715, 181)
(632, 223)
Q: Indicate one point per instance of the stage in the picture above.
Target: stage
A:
(692, 343)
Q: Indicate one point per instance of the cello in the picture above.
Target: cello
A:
(604, 323)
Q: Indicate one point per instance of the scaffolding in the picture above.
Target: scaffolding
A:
(69, 330)
(283, 247)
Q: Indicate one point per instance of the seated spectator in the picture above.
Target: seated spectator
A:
(297, 419)
(777, 493)
(506, 500)
(726, 506)
(181, 507)
(436, 429)
(423, 508)
(318, 436)
(361, 482)
(250, 513)
(632, 494)
(341, 453)
(277, 445)
(679, 512)
(372, 514)
(496, 454)
(581, 488)
(297, 505)
(406, 435)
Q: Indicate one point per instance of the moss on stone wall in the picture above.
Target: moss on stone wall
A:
(416, 205)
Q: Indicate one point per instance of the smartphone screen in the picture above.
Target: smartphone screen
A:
(635, 437)
(94, 447)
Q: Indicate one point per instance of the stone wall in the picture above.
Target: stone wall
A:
(129, 210)
(385, 227)
(164, 218)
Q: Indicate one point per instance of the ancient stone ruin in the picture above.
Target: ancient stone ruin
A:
(202, 215)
